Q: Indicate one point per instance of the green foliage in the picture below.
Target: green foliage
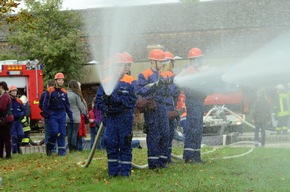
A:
(7, 10)
(53, 38)
(265, 169)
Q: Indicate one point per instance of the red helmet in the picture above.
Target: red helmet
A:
(12, 88)
(59, 76)
(194, 53)
(157, 54)
(128, 57)
(169, 55)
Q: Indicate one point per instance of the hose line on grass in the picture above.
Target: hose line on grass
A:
(93, 150)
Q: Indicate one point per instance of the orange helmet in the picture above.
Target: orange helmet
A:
(12, 88)
(59, 76)
(128, 57)
(169, 55)
(118, 58)
(194, 53)
(157, 54)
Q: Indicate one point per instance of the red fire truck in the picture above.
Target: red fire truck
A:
(225, 110)
(27, 77)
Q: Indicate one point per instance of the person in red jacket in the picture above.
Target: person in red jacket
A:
(6, 120)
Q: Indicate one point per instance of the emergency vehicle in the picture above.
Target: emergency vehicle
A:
(27, 77)
(225, 109)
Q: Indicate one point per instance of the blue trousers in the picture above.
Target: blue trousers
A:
(172, 127)
(118, 137)
(57, 123)
(193, 131)
(72, 136)
(157, 136)
(46, 130)
(16, 136)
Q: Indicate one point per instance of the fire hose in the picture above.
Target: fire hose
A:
(93, 150)
(101, 129)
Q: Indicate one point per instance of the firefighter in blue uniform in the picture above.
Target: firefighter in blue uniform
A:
(151, 87)
(18, 112)
(171, 99)
(55, 106)
(195, 110)
(118, 110)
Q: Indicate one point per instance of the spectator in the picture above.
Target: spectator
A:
(6, 120)
(95, 122)
(261, 116)
(77, 107)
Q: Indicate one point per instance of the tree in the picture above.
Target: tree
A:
(53, 38)
(7, 8)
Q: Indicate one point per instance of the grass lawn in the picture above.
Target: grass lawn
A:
(264, 169)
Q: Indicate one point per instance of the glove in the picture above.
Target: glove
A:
(105, 109)
(107, 99)
(179, 111)
(45, 115)
(160, 82)
(171, 81)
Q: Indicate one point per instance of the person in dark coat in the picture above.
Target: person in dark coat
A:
(261, 116)
(6, 120)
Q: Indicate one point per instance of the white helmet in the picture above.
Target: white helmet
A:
(23, 98)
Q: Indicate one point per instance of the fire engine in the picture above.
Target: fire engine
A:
(27, 77)
(225, 109)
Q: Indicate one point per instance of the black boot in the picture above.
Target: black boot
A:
(19, 151)
(48, 152)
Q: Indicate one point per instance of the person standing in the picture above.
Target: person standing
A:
(118, 109)
(26, 141)
(18, 112)
(6, 120)
(50, 83)
(55, 106)
(261, 116)
(151, 88)
(77, 107)
(95, 122)
(195, 110)
(170, 99)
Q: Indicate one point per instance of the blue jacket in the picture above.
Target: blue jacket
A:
(17, 108)
(147, 77)
(122, 98)
(174, 92)
(55, 99)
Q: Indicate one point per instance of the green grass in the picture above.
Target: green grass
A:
(265, 169)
